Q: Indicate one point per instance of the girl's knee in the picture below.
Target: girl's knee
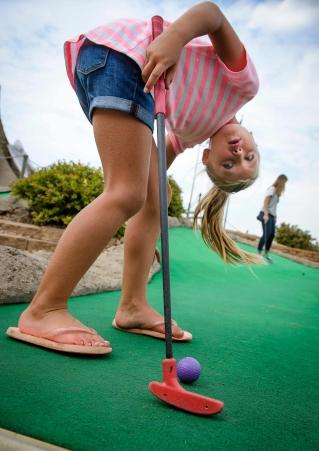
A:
(134, 203)
(129, 201)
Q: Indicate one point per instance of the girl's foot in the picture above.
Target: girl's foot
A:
(60, 326)
(147, 321)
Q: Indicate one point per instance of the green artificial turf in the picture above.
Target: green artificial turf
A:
(255, 335)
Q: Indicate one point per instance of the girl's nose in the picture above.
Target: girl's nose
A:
(237, 150)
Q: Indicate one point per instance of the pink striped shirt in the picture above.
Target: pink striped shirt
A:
(204, 95)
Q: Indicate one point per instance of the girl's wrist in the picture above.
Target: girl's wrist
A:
(178, 36)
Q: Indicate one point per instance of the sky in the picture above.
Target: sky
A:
(40, 109)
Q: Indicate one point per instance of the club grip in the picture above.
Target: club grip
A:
(159, 88)
(157, 26)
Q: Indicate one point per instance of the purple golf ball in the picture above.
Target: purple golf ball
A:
(188, 370)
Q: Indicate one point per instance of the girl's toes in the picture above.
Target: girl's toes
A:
(177, 332)
(103, 343)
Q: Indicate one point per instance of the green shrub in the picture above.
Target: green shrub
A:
(293, 236)
(120, 232)
(55, 194)
(176, 206)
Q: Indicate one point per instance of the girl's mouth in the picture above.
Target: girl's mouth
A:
(234, 141)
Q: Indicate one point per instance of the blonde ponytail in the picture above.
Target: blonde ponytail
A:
(214, 235)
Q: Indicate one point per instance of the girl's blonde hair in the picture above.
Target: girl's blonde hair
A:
(212, 207)
(280, 183)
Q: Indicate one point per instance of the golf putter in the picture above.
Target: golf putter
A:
(170, 391)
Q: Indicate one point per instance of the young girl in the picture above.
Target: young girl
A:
(113, 70)
(269, 213)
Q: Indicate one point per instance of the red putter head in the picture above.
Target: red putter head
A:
(172, 393)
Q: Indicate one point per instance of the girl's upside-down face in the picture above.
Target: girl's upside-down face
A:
(232, 154)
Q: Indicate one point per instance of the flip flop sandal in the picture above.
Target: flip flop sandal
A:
(50, 343)
(153, 333)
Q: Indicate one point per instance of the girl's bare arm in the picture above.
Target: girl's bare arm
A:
(203, 19)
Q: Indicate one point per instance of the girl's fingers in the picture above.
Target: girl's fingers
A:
(158, 70)
(147, 70)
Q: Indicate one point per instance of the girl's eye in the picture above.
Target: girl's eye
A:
(228, 165)
(250, 157)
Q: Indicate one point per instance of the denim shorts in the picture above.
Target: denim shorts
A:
(105, 78)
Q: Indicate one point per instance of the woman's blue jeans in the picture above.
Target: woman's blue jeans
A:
(268, 233)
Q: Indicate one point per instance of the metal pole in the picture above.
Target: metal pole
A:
(162, 168)
(24, 165)
(160, 109)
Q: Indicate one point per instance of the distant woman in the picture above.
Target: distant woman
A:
(268, 214)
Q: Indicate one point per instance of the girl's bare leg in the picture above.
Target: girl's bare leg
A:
(141, 235)
(124, 145)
